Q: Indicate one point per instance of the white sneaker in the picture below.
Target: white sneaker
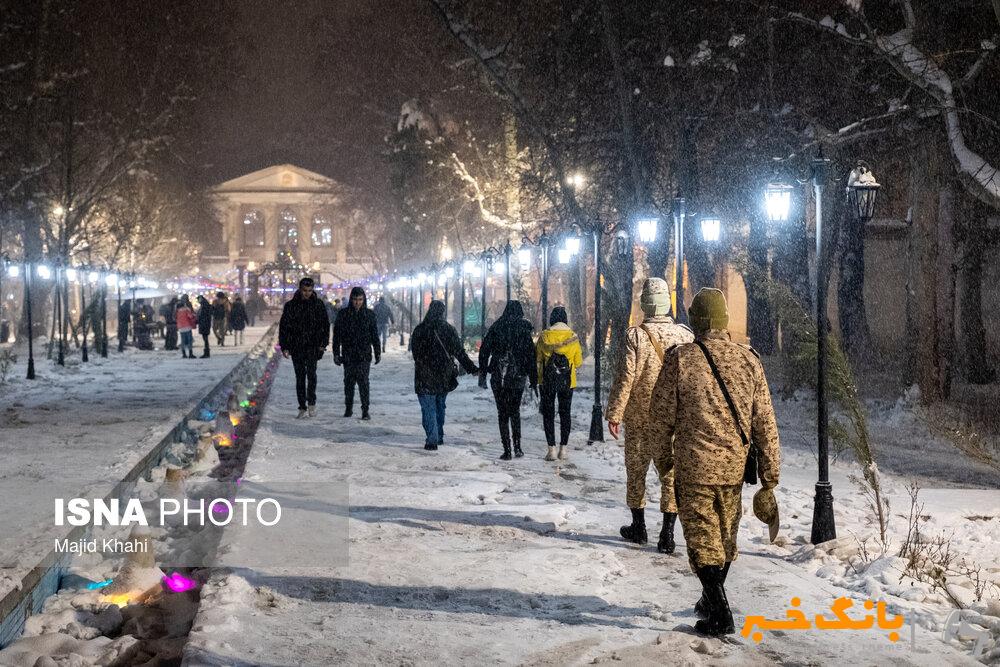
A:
(551, 454)
(312, 410)
(563, 454)
(302, 414)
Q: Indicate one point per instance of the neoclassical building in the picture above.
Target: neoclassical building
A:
(285, 207)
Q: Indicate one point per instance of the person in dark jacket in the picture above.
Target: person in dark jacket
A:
(238, 319)
(204, 323)
(435, 347)
(168, 313)
(355, 339)
(303, 334)
(142, 321)
(383, 318)
(508, 355)
(124, 315)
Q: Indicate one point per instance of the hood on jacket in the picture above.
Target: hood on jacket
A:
(557, 336)
(435, 312)
(558, 315)
(513, 310)
(358, 291)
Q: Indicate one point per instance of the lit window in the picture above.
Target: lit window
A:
(253, 229)
(288, 229)
(322, 232)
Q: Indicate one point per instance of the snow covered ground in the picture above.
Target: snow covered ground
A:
(75, 431)
(458, 558)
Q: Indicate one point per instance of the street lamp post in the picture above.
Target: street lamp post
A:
(28, 279)
(487, 267)
(104, 314)
(680, 312)
(543, 243)
(506, 260)
(596, 417)
(461, 306)
(83, 318)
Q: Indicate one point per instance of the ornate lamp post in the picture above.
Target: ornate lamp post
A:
(544, 242)
(596, 416)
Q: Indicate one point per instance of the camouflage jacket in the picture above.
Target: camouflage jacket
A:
(689, 415)
(632, 388)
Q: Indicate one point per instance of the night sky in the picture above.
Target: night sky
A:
(318, 84)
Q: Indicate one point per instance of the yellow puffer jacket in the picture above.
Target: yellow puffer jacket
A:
(558, 338)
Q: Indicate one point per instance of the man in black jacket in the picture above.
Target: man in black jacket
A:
(303, 334)
(355, 340)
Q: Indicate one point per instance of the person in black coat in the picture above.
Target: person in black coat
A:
(508, 355)
(355, 342)
(436, 346)
(238, 319)
(303, 334)
(204, 323)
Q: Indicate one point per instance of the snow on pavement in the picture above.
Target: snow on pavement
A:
(76, 431)
(457, 557)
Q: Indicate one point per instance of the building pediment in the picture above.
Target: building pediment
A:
(280, 178)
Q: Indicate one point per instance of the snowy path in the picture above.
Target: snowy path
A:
(77, 431)
(458, 558)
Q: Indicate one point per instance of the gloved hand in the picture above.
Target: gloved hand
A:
(337, 359)
(482, 380)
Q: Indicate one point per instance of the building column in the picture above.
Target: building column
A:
(234, 233)
(305, 213)
(271, 213)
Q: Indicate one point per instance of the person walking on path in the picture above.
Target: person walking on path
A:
(253, 310)
(220, 317)
(508, 355)
(143, 320)
(186, 323)
(709, 404)
(204, 324)
(238, 319)
(557, 355)
(628, 403)
(436, 348)
(383, 318)
(168, 312)
(355, 342)
(303, 334)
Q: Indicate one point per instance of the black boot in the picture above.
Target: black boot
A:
(506, 451)
(364, 414)
(636, 532)
(701, 606)
(666, 543)
(205, 354)
(720, 617)
(517, 449)
(184, 353)
(349, 411)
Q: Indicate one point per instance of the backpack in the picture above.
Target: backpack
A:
(557, 372)
(509, 370)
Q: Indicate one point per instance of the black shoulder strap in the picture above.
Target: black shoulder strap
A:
(725, 391)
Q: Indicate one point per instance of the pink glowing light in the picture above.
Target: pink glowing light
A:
(178, 583)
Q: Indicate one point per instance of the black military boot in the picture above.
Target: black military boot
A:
(701, 606)
(666, 543)
(517, 449)
(506, 450)
(636, 532)
(720, 617)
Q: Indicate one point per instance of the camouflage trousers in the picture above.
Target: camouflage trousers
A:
(710, 517)
(640, 451)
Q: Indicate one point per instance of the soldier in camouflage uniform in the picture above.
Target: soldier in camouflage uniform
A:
(628, 402)
(689, 410)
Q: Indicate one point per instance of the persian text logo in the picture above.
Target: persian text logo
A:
(958, 628)
(796, 619)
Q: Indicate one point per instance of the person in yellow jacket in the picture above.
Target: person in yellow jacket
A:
(557, 354)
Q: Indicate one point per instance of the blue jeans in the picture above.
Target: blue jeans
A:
(432, 410)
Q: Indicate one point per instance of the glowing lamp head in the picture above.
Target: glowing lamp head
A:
(43, 271)
(469, 267)
(71, 275)
(421, 279)
(711, 229)
(564, 255)
(862, 191)
(499, 268)
(13, 270)
(449, 272)
(524, 257)
(778, 201)
(572, 245)
(647, 229)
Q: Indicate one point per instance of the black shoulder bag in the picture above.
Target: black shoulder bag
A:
(453, 370)
(750, 467)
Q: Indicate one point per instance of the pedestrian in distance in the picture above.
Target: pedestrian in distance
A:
(711, 410)
(186, 323)
(168, 312)
(628, 404)
(355, 344)
(303, 334)
(557, 354)
(238, 319)
(220, 317)
(436, 349)
(124, 316)
(253, 310)
(204, 324)
(383, 318)
(143, 319)
(507, 354)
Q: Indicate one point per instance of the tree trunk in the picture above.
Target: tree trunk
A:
(760, 324)
(973, 332)
(925, 337)
(851, 287)
(947, 272)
